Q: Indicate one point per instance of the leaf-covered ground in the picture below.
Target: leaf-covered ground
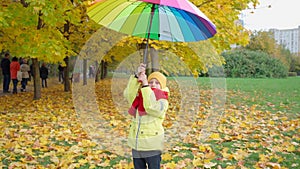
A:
(47, 133)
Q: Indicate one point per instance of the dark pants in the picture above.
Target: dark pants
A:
(61, 76)
(15, 83)
(24, 83)
(6, 82)
(44, 82)
(153, 162)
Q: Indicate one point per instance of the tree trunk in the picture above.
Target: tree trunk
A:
(154, 60)
(36, 79)
(84, 72)
(97, 71)
(67, 84)
(103, 69)
(35, 63)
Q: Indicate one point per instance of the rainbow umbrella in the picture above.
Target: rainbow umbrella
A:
(169, 20)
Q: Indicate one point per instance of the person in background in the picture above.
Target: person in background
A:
(60, 73)
(5, 66)
(31, 70)
(148, 98)
(25, 68)
(44, 75)
(91, 71)
(21, 61)
(14, 68)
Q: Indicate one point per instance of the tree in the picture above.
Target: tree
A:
(253, 64)
(33, 33)
(77, 31)
(65, 28)
(225, 15)
(42, 30)
(295, 64)
(265, 42)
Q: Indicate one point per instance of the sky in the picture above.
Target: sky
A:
(283, 14)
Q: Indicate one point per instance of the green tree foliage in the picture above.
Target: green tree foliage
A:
(253, 64)
(225, 15)
(47, 31)
(37, 28)
(33, 30)
(52, 43)
(265, 42)
(295, 64)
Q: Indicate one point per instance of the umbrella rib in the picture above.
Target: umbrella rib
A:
(140, 28)
(191, 24)
(180, 23)
(204, 30)
(107, 4)
(135, 22)
(114, 15)
(179, 36)
(169, 23)
(176, 20)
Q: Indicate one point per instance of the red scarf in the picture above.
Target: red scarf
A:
(137, 104)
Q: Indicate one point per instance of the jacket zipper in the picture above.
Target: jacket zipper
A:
(137, 134)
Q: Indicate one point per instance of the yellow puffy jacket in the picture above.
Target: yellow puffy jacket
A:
(146, 132)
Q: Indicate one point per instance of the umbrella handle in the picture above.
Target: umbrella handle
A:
(146, 53)
(148, 36)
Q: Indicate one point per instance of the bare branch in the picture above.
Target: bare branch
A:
(203, 3)
(25, 4)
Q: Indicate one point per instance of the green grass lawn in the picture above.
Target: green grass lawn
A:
(274, 95)
(269, 94)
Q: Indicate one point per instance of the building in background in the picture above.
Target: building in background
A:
(290, 38)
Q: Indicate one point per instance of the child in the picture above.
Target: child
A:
(149, 102)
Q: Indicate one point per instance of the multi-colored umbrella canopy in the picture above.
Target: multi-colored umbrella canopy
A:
(170, 20)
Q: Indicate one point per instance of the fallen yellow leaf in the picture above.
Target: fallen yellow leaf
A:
(167, 156)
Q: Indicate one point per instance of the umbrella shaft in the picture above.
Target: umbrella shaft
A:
(148, 36)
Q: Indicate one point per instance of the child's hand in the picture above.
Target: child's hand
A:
(143, 78)
(141, 69)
